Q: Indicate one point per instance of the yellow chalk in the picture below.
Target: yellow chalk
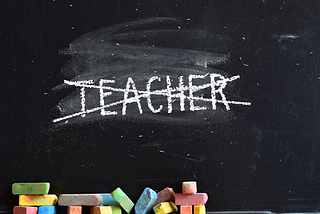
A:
(199, 209)
(165, 207)
(37, 200)
(100, 210)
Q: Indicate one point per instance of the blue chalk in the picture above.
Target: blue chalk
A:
(146, 201)
(47, 210)
(108, 200)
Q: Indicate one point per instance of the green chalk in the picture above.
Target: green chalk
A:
(116, 209)
(30, 188)
(123, 200)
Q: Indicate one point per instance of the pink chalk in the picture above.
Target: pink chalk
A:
(195, 199)
(165, 195)
(25, 210)
(189, 187)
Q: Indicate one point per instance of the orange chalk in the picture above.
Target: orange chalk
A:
(189, 187)
(186, 209)
(74, 209)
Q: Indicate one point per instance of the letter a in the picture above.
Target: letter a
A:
(127, 100)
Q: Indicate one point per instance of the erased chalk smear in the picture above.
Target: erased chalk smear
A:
(147, 69)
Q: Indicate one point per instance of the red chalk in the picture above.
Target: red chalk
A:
(186, 209)
(195, 199)
(189, 187)
(74, 209)
(165, 195)
(25, 210)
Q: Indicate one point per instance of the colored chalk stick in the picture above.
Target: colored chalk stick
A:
(37, 200)
(146, 201)
(80, 200)
(101, 210)
(25, 210)
(199, 209)
(189, 187)
(195, 199)
(30, 188)
(107, 199)
(165, 195)
(123, 200)
(165, 207)
(74, 210)
(47, 210)
(186, 209)
(116, 209)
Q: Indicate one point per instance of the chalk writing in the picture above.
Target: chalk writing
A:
(216, 84)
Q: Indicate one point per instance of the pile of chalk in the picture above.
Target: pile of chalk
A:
(34, 199)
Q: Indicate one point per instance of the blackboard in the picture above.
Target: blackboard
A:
(104, 94)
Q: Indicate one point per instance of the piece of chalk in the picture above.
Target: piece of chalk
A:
(195, 199)
(30, 188)
(25, 210)
(80, 200)
(100, 210)
(116, 209)
(189, 187)
(165, 195)
(38, 200)
(74, 210)
(199, 209)
(123, 200)
(186, 209)
(107, 199)
(165, 207)
(146, 201)
(47, 210)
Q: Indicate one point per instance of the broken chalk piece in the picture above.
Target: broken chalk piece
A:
(199, 209)
(107, 199)
(165, 207)
(165, 195)
(195, 199)
(186, 209)
(47, 210)
(100, 210)
(189, 187)
(80, 200)
(25, 210)
(123, 200)
(146, 201)
(116, 209)
(30, 188)
(38, 200)
(74, 210)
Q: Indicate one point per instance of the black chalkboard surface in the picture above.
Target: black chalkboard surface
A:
(104, 94)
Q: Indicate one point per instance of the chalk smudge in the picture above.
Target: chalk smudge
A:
(139, 70)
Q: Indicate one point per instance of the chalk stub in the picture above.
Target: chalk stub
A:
(123, 200)
(25, 210)
(165, 208)
(30, 188)
(189, 187)
(199, 209)
(47, 210)
(116, 209)
(195, 199)
(74, 210)
(108, 200)
(80, 200)
(146, 201)
(186, 209)
(165, 195)
(38, 200)
(100, 210)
